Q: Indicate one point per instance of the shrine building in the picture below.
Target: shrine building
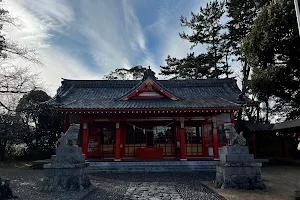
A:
(149, 118)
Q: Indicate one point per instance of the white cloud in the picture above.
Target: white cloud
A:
(34, 32)
(168, 27)
(111, 31)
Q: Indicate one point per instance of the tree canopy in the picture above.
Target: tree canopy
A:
(273, 50)
(133, 73)
(206, 29)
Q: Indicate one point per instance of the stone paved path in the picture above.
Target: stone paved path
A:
(112, 186)
(152, 191)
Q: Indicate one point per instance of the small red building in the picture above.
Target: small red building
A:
(149, 118)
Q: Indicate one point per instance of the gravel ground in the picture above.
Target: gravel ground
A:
(25, 184)
(281, 182)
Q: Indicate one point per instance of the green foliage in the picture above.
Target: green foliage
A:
(206, 26)
(242, 15)
(192, 67)
(43, 126)
(134, 73)
(273, 50)
(241, 18)
(12, 131)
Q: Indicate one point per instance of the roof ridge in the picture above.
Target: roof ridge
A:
(104, 80)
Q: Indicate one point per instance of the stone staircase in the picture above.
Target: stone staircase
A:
(152, 166)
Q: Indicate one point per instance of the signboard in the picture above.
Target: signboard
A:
(93, 146)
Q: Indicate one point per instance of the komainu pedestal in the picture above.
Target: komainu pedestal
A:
(67, 170)
(238, 169)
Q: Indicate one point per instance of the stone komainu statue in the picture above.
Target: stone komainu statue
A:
(233, 137)
(71, 136)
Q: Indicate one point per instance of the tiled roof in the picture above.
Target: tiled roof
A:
(106, 94)
(287, 125)
(255, 127)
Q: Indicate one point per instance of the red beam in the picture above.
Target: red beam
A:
(67, 122)
(254, 144)
(118, 142)
(215, 137)
(286, 148)
(182, 143)
(135, 92)
(85, 135)
(164, 92)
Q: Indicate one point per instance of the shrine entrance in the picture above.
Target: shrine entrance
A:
(149, 139)
(107, 141)
(139, 139)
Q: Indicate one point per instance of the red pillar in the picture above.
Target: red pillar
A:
(118, 142)
(232, 118)
(85, 137)
(286, 147)
(182, 141)
(254, 145)
(67, 122)
(123, 138)
(215, 137)
(275, 146)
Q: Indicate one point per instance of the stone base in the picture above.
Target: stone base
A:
(239, 175)
(297, 195)
(65, 178)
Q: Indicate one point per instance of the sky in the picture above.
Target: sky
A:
(78, 39)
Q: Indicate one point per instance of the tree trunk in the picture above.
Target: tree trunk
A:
(246, 71)
(227, 66)
(267, 110)
(2, 150)
(215, 58)
(257, 114)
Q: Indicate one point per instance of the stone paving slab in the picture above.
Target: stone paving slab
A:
(152, 191)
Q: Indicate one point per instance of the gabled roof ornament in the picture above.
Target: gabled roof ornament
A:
(149, 74)
(149, 86)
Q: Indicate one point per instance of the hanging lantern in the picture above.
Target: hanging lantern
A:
(144, 131)
(133, 127)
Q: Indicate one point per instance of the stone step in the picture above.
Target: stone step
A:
(174, 166)
(149, 170)
(149, 163)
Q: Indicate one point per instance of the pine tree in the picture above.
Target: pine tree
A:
(272, 49)
(206, 26)
(241, 18)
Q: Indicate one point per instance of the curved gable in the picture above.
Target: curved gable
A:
(149, 88)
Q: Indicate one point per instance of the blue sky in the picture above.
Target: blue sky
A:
(87, 39)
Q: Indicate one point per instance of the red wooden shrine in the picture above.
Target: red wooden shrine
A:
(149, 118)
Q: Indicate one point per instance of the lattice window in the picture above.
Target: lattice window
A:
(135, 138)
(193, 135)
(193, 139)
(107, 135)
(107, 141)
(163, 135)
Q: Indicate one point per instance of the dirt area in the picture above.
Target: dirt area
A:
(281, 182)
